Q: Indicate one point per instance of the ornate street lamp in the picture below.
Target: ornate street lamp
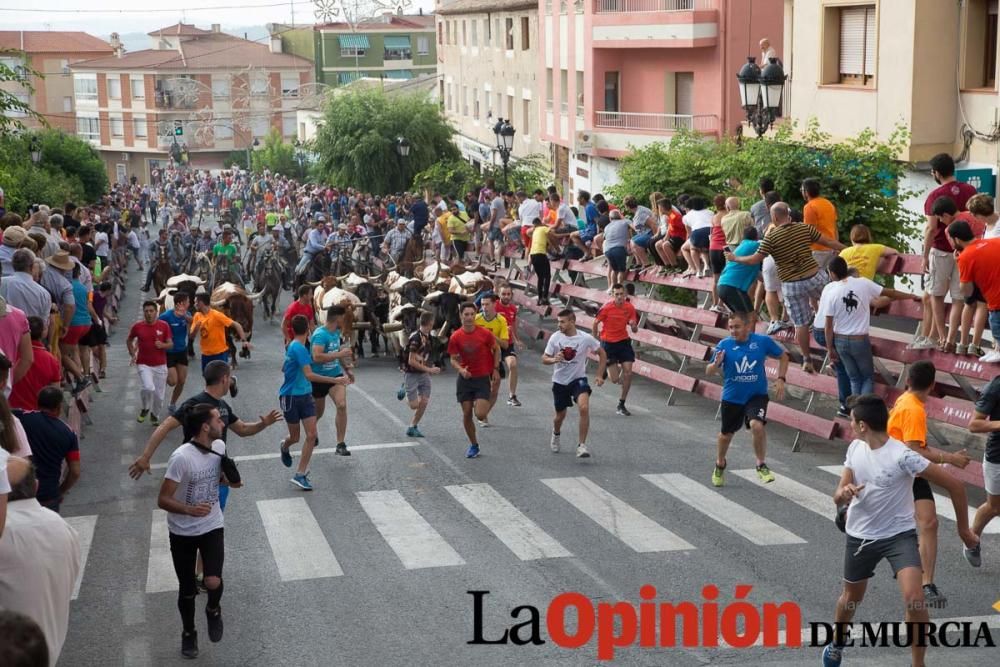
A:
(761, 92)
(35, 148)
(250, 148)
(504, 133)
(402, 155)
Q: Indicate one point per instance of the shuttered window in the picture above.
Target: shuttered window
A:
(857, 44)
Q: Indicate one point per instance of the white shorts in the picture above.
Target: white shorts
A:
(769, 270)
(991, 477)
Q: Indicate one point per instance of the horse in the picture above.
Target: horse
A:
(316, 269)
(269, 277)
(162, 270)
(222, 272)
(201, 266)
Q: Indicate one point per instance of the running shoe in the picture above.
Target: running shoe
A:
(233, 388)
(717, 476)
(214, 625)
(342, 449)
(773, 328)
(414, 432)
(153, 419)
(718, 309)
(922, 343)
(554, 442)
(973, 555)
(401, 392)
(582, 452)
(961, 350)
(622, 410)
(832, 655)
(302, 481)
(933, 597)
(482, 423)
(513, 402)
(842, 411)
(991, 357)
(472, 452)
(142, 416)
(286, 456)
(765, 473)
(189, 644)
(975, 351)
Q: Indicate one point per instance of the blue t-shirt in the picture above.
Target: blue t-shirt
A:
(743, 367)
(296, 383)
(81, 316)
(741, 276)
(330, 342)
(178, 330)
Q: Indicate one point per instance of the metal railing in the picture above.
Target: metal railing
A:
(627, 6)
(656, 122)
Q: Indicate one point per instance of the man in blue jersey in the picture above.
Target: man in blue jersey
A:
(178, 319)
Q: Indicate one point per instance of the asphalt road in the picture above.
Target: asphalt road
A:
(375, 565)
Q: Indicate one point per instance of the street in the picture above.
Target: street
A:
(375, 565)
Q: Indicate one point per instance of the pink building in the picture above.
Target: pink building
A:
(628, 73)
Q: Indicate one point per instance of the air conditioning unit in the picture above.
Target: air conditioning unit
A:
(583, 142)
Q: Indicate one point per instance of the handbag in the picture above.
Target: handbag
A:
(229, 469)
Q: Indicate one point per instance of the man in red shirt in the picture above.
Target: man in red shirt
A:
(617, 316)
(508, 309)
(148, 342)
(475, 354)
(979, 266)
(45, 370)
(301, 306)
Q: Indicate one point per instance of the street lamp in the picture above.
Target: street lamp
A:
(402, 154)
(252, 147)
(35, 148)
(504, 133)
(761, 92)
(300, 157)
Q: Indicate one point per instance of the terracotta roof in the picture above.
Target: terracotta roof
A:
(52, 41)
(183, 29)
(481, 6)
(212, 51)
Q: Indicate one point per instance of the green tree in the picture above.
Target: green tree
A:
(356, 143)
(69, 169)
(275, 155)
(529, 173)
(9, 103)
(449, 177)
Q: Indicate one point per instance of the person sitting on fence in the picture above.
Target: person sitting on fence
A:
(585, 237)
(982, 219)
(645, 225)
(698, 221)
(673, 232)
(616, 238)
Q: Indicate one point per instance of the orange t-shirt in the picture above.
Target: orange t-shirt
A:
(821, 214)
(213, 331)
(979, 263)
(908, 420)
(616, 320)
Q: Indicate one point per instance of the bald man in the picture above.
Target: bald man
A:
(735, 221)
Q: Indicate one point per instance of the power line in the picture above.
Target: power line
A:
(154, 10)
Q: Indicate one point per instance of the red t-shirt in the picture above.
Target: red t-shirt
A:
(979, 263)
(148, 335)
(45, 370)
(960, 193)
(675, 225)
(717, 238)
(474, 349)
(615, 321)
(509, 313)
(296, 308)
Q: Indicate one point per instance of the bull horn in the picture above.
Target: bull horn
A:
(460, 283)
(315, 284)
(254, 297)
(443, 331)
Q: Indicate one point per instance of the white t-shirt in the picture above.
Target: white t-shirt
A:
(197, 474)
(101, 244)
(698, 219)
(848, 301)
(992, 232)
(565, 217)
(578, 347)
(4, 484)
(529, 210)
(885, 506)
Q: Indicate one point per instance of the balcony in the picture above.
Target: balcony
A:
(665, 123)
(630, 6)
(655, 23)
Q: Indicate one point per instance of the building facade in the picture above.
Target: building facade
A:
(49, 54)
(488, 71)
(208, 92)
(618, 74)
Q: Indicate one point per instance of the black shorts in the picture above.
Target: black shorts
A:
(321, 389)
(565, 395)
(699, 238)
(922, 489)
(861, 556)
(736, 415)
(619, 352)
(736, 299)
(177, 359)
(472, 389)
(675, 243)
(502, 371)
(718, 260)
(509, 352)
(96, 336)
(975, 297)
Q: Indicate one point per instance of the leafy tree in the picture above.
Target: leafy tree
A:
(275, 155)
(70, 169)
(356, 143)
(449, 177)
(9, 103)
(532, 172)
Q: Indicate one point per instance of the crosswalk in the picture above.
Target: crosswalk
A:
(302, 550)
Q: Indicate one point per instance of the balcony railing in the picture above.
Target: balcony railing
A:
(627, 6)
(655, 122)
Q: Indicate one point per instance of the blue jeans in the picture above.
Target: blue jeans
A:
(843, 380)
(856, 356)
(995, 324)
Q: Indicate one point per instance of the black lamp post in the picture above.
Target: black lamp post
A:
(300, 157)
(761, 92)
(252, 147)
(504, 133)
(402, 153)
(35, 148)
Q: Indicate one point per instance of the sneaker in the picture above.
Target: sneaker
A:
(513, 402)
(80, 385)
(582, 452)
(774, 327)
(787, 324)
(922, 343)
(961, 350)
(842, 411)
(933, 597)
(832, 655)
(717, 476)
(233, 389)
(622, 410)
(472, 452)
(414, 432)
(142, 416)
(975, 351)
(286, 456)
(718, 309)
(189, 644)
(991, 357)
(153, 419)
(302, 481)
(342, 449)
(482, 423)
(765, 473)
(973, 555)
(214, 625)
(401, 392)
(554, 442)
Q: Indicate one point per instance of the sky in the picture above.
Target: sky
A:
(102, 17)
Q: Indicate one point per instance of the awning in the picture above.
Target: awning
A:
(353, 41)
(347, 77)
(397, 42)
(398, 74)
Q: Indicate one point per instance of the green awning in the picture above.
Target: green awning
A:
(347, 77)
(354, 41)
(398, 74)
(397, 42)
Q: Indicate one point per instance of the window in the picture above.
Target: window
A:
(220, 88)
(353, 46)
(450, 105)
(64, 66)
(579, 93)
(288, 127)
(857, 46)
(526, 117)
(85, 87)
(496, 33)
(510, 107)
(475, 103)
(290, 85)
(139, 126)
(117, 126)
(397, 47)
(67, 105)
(465, 40)
(979, 62)
(138, 89)
(259, 85)
(525, 33)
(24, 98)
(465, 101)
(88, 129)
(441, 32)
(683, 93)
(114, 87)
(260, 126)
(487, 32)
(611, 91)
(509, 34)
(423, 46)
(563, 90)
(222, 131)
(475, 32)
(17, 66)
(549, 83)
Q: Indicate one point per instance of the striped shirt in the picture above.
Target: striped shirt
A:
(788, 244)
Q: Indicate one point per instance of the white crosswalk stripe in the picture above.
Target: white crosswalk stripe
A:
(737, 518)
(943, 504)
(616, 516)
(160, 575)
(84, 527)
(518, 533)
(414, 540)
(300, 549)
(800, 494)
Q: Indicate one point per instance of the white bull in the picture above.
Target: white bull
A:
(434, 272)
(466, 283)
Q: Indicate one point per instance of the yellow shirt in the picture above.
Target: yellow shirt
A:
(497, 326)
(539, 239)
(213, 331)
(908, 420)
(442, 223)
(865, 258)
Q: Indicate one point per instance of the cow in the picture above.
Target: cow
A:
(447, 319)
(233, 300)
(326, 295)
(180, 283)
(469, 283)
(435, 272)
(375, 313)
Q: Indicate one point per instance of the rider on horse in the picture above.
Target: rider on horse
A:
(316, 242)
(225, 254)
(161, 248)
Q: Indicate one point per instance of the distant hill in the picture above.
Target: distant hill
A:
(137, 41)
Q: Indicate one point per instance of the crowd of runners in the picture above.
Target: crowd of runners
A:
(769, 261)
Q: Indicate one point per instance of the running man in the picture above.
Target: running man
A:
(327, 354)
(475, 354)
(613, 321)
(147, 342)
(178, 319)
(877, 482)
(908, 424)
(741, 357)
(297, 404)
(302, 305)
(987, 420)
(417, 372)
(567, 350)
(211, 324)
(496, 324)
(508, 309)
